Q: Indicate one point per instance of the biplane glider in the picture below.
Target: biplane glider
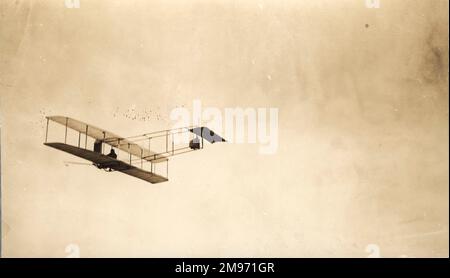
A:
(137, 158)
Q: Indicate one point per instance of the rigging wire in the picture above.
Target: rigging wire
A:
(165, 131)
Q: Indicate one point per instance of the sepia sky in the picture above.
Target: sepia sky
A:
(362, 162)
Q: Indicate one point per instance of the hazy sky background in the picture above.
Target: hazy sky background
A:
(363, 127)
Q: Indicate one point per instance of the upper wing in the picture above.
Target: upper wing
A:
(109, 138)
(207, 134)
(106, 161)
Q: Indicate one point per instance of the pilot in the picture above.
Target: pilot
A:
(112, 154)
